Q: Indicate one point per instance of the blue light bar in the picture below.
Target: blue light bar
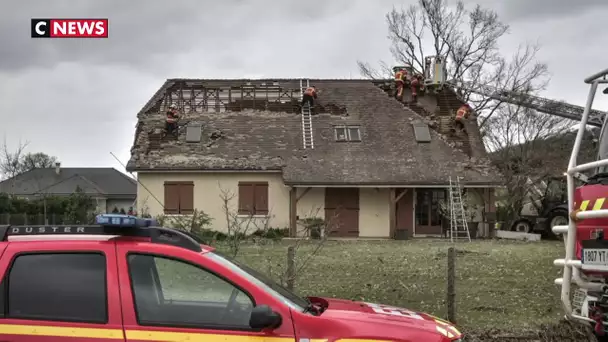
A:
(116, 220)
(123, 221)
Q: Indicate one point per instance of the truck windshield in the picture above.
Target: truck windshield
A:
(603, 147)
(276, 290)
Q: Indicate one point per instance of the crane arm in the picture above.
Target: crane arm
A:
(540, 104)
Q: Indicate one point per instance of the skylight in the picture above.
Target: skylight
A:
(422, 132)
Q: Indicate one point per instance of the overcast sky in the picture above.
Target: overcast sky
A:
(77, 99)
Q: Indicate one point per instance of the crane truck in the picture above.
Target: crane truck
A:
(585, 264)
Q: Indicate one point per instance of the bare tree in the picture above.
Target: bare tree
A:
(524, 148)
(313, 232)
(37, 160)
(468, 40)
(10, 161)
(239, 226)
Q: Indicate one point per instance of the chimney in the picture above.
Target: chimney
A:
(57, 168)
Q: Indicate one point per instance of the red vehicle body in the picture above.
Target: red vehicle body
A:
(585, 264)
(326, 320)
(590, 197)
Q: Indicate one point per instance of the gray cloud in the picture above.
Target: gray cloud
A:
(516, 10)
(141, 30)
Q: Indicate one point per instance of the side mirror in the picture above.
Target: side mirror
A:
(262, 317)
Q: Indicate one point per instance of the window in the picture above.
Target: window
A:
(59, 287)
(253, 198)
(193, 133)
(427, 206)
(179, 198)
(175, 293)
(278, 291)
(347, 133)
(421, 132)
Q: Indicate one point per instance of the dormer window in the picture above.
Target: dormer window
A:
(347, 133)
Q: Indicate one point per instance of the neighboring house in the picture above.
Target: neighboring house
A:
(376, 169)
(108, 187)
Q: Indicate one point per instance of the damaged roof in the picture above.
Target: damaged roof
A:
(249, 139)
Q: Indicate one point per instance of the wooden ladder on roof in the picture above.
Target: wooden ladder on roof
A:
(307, 136)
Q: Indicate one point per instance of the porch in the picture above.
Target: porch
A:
(383, 212)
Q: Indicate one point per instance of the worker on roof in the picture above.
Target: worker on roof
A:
(416, 84)
(309, 95)
(171, 120)
(463, 113)
(400, 77)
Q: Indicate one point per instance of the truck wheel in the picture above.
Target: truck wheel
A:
(522, 226)
(556, 218)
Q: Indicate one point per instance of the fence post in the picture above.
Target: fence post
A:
(291, 261)
(451, 290)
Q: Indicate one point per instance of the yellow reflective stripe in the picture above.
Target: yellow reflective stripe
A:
(169, 336)
(446, 324)
(444, 332)
(584, 205)
(599, 203)
(43, 330)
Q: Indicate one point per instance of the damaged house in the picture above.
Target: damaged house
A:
(374, 167)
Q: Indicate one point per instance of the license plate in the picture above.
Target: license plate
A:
(592, 256)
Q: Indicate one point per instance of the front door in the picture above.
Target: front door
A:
(404, 210)
(428, 219)
(342, 211)
(173, 296)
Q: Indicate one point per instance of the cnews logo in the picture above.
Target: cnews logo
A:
(69, 28)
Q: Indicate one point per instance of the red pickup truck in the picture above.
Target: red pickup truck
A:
(126, 279)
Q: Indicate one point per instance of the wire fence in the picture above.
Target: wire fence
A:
(19, 219)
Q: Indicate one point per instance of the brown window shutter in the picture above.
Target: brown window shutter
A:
(186, 198)
(171, 198)
(246, 198)
(261, 199)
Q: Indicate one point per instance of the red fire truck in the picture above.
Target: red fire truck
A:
(586, 235)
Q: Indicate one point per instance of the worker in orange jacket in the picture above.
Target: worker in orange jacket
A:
(309, 95)
(461, 114)
(400, 77)
(415, 84)
(171, 120)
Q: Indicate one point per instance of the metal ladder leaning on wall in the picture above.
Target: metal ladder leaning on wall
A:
(459, 229)
(307, 136)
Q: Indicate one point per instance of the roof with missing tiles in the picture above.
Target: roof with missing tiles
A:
(260, 139)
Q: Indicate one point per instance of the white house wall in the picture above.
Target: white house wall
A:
(209, 191)
(208, 187)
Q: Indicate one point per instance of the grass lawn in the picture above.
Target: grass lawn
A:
(500, 284)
